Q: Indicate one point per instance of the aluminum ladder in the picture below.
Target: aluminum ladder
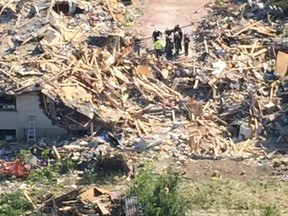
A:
(31, 135)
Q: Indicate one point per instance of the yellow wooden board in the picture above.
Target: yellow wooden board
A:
(282, 64)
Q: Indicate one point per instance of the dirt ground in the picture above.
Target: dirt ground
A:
(162, 14)
(228, 169)
(225, 169)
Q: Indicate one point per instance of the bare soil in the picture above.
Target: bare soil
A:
(162, 14)
(226, 169)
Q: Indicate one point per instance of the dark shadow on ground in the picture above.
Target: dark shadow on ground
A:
(7, 16)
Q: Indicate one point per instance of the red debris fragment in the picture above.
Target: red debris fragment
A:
(15, 168)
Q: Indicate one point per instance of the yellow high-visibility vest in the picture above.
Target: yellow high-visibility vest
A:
(158, 45)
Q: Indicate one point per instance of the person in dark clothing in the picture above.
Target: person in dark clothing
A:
(177, 42)
(169, 47)
(168, 38)
(179, 30)
(168, 32)
(186, 43)
(156, 34)
(204, 58)
(137, 45)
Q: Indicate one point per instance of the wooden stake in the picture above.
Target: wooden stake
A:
(56, 152)
(196, 83)
(264, 50)
(50, 9)
(29, 199)
(45, 105)
(91, 128)
(141, 125)
(137, 127)
(173, 116)
(254, 46)
(206, 46)
(111, 11)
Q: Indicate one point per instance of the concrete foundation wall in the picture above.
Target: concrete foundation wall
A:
(28, 105)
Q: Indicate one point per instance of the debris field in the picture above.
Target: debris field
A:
(224, 102)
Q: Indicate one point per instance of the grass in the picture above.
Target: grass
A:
(100, 178)
(267, 196)
(226, 197)
(271, 210)
(13, 204)
(159, 195)
(45, 175)
(47, 180)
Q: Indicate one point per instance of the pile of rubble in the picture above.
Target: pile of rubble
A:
(246, 70)
(71, 163)
(82, 201)
(224, 101)
(236, 82)
(75, 54)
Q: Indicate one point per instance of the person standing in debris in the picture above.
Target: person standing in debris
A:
(158, 47)
(168, 36)
(156, 34)
(186, 43)
(137, 45)
(180, 33)
(169, 47)
(177, 28)
(168, 33)
(177, 42)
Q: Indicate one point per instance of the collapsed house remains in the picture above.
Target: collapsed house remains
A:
(74, 56)
(68, 64)
(30, 66)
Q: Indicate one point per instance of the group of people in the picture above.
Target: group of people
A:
(173, 41)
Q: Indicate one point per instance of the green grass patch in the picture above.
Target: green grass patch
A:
(100, 177)
(267, 196)
(44, 175)
(271, 210)
(13, 204)
(159, 195)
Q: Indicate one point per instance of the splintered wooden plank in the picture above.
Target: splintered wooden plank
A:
(282, 63)
(144, 70)
(264, 50)
(247, 27)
